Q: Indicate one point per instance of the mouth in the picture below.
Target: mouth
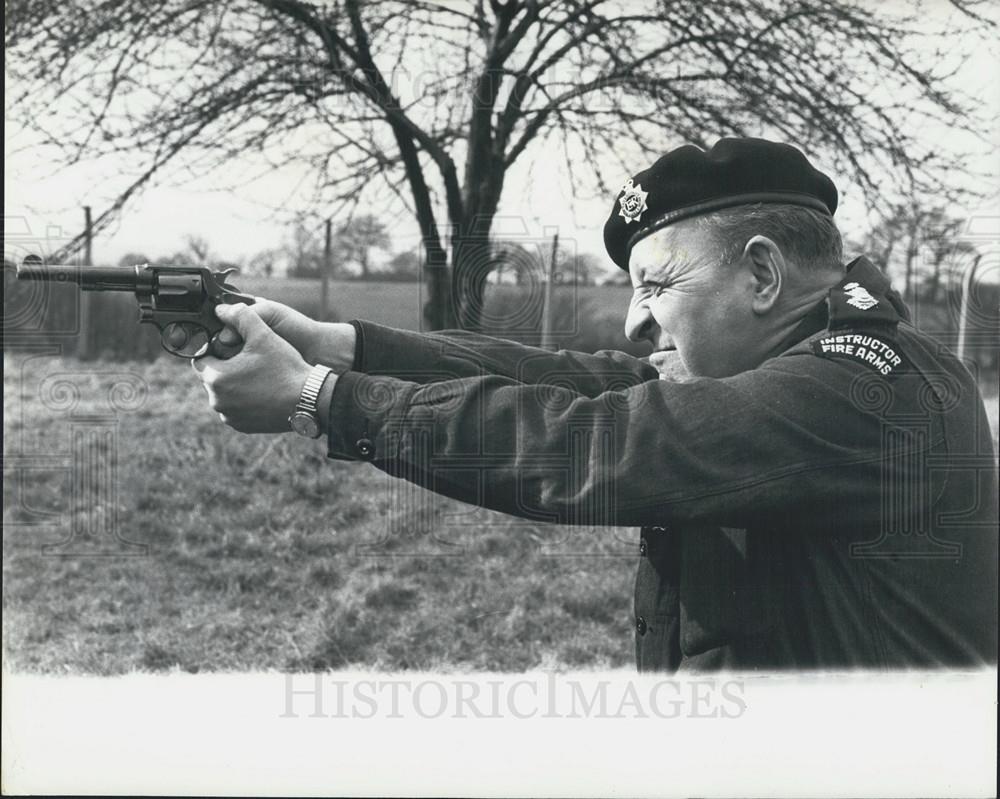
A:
(667, 362)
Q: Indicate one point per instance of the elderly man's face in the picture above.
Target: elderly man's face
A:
(688, 305)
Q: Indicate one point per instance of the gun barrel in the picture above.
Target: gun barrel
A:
(89, 278)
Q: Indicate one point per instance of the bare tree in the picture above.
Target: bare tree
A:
(581, 269)
(357, 238)
(404, 265)
(434, 103)
(262, 262)
(179, 258)
(524, 261)
(947, 251)
(920, 244)
(305, 249)
(133, 259)
(198, 248)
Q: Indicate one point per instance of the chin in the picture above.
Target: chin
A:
(670, 365)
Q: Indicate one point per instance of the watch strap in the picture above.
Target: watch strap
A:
(309, 395)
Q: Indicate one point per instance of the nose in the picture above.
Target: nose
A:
(639, 323)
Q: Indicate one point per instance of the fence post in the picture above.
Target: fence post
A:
(324, 297)
(546, 342)
(963, 308)
(83, 342)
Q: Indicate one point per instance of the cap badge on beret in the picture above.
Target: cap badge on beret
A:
(689, 182)
(633, 202)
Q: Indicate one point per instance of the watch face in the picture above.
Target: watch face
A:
(304, 424)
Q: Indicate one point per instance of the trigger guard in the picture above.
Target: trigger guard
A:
(191, 331)
(201, 353)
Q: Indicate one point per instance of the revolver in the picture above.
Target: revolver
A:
(179, 300)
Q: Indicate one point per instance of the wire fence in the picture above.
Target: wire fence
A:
(583, 318)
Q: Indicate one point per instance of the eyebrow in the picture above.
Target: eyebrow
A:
(668, 262)
(643, 276)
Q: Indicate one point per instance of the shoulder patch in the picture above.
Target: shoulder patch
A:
(874, 352)
(859, 297)
(853, 305)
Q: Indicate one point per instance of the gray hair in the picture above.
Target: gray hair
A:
(807, 237)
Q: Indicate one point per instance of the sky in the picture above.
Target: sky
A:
(43, 200)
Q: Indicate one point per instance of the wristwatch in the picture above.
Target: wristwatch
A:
(304, 419)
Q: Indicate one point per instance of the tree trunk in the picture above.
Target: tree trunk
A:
(438, 309)
(471, 257)
(471, 253)
(934, 283)
(438, 312)
(910, 288)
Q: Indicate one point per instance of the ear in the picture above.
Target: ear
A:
(767, 271)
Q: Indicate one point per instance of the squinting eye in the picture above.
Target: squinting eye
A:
(648, 290)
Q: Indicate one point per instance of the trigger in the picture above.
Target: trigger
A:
(176, 337)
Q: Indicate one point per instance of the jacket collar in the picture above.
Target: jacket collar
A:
(862, 298)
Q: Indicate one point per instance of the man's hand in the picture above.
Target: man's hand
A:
(256, 390)
(331, 344)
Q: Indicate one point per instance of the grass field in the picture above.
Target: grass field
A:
(260, 553)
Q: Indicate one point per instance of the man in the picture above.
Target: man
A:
(819, 490)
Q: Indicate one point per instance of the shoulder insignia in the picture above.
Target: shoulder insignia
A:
(858, 296)
(874, 352)
(852, 305)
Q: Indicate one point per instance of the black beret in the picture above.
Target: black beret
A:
(689, 181)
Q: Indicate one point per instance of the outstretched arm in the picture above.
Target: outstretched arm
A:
(789, 436)
(455, 354)
(448, 355)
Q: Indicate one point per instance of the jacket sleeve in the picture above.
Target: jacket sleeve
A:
(796, 434)
(425, 358)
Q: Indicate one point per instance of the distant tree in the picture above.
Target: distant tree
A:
(133, 258)
(434, 103)
(614, 277)
(581, 269)
(520, 262)
(917, 245)
(179, 258)
(357, 239)
(948, 253)
(262, 263)
(305, 249)
(525, 261)
(404, 265)
(198, 248)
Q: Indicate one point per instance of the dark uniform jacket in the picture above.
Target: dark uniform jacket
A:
(835, 507)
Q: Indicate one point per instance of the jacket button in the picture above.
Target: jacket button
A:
(643, 548)
(640, 625)
(366, 448)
